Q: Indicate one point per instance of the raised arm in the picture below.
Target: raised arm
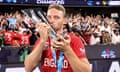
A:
(34, 57)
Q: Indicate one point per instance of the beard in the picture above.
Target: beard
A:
(56, 27)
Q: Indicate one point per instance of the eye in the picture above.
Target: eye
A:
(56, 17)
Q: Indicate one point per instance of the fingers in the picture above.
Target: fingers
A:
(43, 30)
(63, 37)
(62, 43)
(57, 44)
(60, 37)
(66, 37)
(42, 26)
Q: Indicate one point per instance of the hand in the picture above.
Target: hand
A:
(62, 44)
(43, 30)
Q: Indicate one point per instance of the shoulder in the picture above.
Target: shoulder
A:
(76, 40)
(74, 37)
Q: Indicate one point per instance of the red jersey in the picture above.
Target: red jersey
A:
(48, 63)
(87, 38)
(25, 39)
(9, 36)
(16, 40)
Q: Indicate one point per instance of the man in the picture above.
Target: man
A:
(9, 36)
(25, 37)
(73, 58)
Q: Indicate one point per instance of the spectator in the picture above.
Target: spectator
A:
(95, 39)
(25, 38)
(116, 37)
(9, 36)
(106, 38)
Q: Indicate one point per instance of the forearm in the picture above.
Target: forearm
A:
(34, 58)
(77, 64)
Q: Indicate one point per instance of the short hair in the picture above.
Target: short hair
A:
(58, 7)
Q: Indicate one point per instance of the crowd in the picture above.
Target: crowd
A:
(95, 29)
(17, 29)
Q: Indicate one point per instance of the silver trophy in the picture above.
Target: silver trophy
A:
(36, 15)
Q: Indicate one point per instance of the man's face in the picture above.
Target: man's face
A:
(55, 18)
